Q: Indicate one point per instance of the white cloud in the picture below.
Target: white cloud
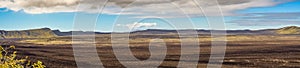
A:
(138, 8)
(40, 6)
(137, 25)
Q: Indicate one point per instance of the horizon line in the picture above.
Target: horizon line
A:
(150, 29)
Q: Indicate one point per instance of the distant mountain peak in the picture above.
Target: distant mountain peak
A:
(46, 28)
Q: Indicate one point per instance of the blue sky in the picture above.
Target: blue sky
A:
(252, 17)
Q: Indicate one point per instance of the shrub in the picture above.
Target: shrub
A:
(8, 60)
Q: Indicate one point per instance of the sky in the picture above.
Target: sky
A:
(148, 14)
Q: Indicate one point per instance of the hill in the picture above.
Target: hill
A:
(32, 33)
(289, 30)
(280, 31)
(59, 33)
(47, 33)
(207, 32)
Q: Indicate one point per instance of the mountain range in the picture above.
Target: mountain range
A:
(32, 33)
(47, 32)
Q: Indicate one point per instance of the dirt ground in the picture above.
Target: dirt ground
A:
(255, 53)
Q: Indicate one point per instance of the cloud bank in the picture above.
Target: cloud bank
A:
(138, 8)
(269, 19)
(137, 25)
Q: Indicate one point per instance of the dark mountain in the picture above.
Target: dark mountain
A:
(33, 33)
(285, 30)
(59, 33)
(229, 32)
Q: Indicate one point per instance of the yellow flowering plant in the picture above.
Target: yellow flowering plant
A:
(8, 60)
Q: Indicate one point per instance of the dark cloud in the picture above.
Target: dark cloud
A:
(230, 2)
(46, 4)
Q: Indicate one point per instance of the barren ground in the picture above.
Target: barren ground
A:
(242, 51)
